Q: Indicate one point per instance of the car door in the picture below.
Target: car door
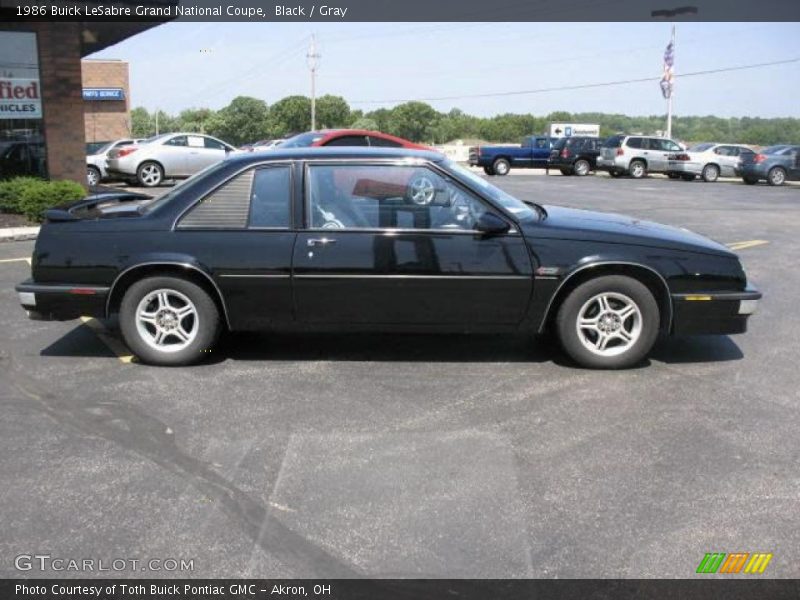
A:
(393, 244)
(727, 157)
(173, 156)
(203, 151)
(794, 164)
(655, 153)
(541, 152)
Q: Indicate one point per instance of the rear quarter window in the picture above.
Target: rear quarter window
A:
(634, 142)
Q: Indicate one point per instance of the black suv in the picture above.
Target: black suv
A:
(575, 155)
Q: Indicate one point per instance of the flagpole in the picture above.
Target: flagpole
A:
(671, 91)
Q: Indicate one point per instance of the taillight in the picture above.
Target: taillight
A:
(479, 150)
(681, 157)
(759, 158)
(620, 151)
(125, 151)
(565, 153)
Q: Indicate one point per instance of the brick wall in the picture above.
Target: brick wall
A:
(106, 120)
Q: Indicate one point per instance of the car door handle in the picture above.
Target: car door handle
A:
(320, 241)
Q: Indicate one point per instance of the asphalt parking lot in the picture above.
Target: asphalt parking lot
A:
(429, 456)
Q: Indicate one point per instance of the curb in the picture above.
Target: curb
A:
(18, 234)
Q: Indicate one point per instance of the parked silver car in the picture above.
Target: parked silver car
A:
(96, 163)
(166, 156)
(709, 161)
(636, 155)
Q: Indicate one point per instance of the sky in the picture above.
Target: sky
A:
(182, 65)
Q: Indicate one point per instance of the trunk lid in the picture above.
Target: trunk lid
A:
(105, 205)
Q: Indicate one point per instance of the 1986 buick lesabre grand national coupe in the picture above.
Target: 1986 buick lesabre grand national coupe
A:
(355, 239)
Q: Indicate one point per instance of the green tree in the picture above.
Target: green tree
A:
(195, 119)
(141, 123)
(245, 119)
(291, 115)
(332, 112)
(365, 123)
(413, 121)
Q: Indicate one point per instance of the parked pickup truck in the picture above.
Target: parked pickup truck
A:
(532, 153)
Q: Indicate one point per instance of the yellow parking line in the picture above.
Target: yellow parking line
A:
(747, 244)
(113, 344)
(10, 260)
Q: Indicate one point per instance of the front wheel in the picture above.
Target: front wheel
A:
(610, 322)
(501, 167)
(776, 176)
(168, 321)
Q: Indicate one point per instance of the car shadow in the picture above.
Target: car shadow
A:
(696, 349)
(80, 342)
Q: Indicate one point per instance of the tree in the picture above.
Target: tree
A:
(332, 112)
(141, 126)
(413, 121)
(195, 119)
(291, 115)
(365, 123)
(245, 119)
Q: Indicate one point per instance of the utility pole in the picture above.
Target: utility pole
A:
(156, 121)
(671, 91)
(312, 58)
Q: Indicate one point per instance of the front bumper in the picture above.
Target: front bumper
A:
(721, 313)
(60, 301)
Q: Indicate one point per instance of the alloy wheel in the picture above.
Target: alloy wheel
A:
(167, 320)
(609, 324)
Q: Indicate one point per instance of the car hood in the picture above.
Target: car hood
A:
(577, 224)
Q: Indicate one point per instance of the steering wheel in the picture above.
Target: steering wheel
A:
(421, 190)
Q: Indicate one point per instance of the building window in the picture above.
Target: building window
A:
(22, 148)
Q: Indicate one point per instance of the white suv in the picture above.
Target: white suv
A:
(636, 155)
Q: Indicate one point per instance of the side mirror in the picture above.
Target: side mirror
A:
(492, 224)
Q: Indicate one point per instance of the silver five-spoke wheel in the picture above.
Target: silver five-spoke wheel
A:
(422, 191)
(609, 324)
(167, 320)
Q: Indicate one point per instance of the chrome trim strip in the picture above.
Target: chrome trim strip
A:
(602, 263)
(257, 276)
(173, 264)
(368, 276)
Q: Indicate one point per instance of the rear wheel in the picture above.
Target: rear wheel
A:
(710, 173)
(501, 167)
(92, 176)
(582, 167)
(637, 169)
(776, 176)
(610, 322)
(488, 170)
(150, 174)
(168, 321)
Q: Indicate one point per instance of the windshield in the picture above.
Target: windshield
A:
(700, 147)
(162, 200)
(516, 207)
(302, 140)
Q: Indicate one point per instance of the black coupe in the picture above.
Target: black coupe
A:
(354, 239)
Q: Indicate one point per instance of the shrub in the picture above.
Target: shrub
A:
(31, 197)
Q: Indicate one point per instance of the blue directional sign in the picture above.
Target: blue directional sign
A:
(103, 94)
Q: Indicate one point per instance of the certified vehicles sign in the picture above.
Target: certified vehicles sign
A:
(20, 99)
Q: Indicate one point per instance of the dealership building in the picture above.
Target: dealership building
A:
(52, 102)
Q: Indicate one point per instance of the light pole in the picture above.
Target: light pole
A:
(312, 58)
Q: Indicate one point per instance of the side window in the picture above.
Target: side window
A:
(670, 146)
(271, 198)
(348, 140)
(634, 142)
(388, 197)
(227, 207)
(541, 143)
(178, 140)
(212, 144)
(722, 151)
(382, 142)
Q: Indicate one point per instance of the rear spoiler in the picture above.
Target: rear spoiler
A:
(66, 212)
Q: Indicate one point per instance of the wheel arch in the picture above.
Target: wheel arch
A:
(638, 159)
(144, 161)
(648, 276)
(184, 270)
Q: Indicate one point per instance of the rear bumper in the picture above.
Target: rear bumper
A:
(752, 171)
(721, 313)
(682, 166)
(61, 302)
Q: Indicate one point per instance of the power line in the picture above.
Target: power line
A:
(582, 86)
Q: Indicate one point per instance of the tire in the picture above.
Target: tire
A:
(566, 172)
(687, 177)
(488, 171)
(150, 174)
(672, 175)
(637, 169)
(501, 167)
(92, 176)
(581, 167)
(615, 174)
(200, 328)
(710, 173)
(776, 176)
(641, 324)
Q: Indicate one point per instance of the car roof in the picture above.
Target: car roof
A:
(344, 152)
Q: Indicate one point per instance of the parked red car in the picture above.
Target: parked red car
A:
(349, 137)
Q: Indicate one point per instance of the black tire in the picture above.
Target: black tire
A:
(207, 322)
(710, 173)
(566, 172)
(637, 169)
(776, 176)
(615, 174)
(92, 176)
(750, 180)
(501, 167)
(621, 288)
(150, 174)
(488, 171)
(687, 177)
(581, 167)
(673, 175)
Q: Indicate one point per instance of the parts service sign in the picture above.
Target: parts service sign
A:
(20, 99)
